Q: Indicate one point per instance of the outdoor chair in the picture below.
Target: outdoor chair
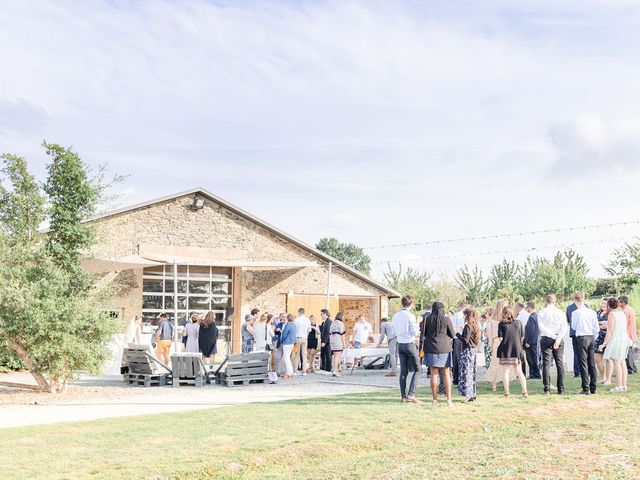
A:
(243, 369)
(189, 369)
(143, 368)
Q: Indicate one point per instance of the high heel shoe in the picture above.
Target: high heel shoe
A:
(525, 395)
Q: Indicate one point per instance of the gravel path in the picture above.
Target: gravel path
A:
(91, 398)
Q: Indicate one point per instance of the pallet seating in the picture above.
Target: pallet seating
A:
(143, 369)
(189, 369)
(243, 369)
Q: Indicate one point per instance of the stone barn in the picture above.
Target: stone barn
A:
(227, 261)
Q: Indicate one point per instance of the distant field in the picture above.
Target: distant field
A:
(369, 436)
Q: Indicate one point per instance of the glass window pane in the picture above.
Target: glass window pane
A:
(199, 271)
(155, 271)
(149, 318)
(152, 285)
(168, 286)
(182, 270)
(201, 287)
(221, 273)
(182, 286)
(220, 287)
(199, 303)
(219, 303)
(168, 302)
(153, 302)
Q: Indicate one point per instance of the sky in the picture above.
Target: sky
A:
(373, 122)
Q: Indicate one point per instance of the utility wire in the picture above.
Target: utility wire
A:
(514, 250)
(504, 235)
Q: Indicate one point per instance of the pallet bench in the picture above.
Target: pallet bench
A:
(189, 370)
(243, 369)
(143, 369)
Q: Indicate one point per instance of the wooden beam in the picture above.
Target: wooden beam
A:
(236, 322)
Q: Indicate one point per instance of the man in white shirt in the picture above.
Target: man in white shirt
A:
(584, 322)
(406, 328)
(523, 316)
(553, 326)
(361, 332)
(303, 327)
(458, 325)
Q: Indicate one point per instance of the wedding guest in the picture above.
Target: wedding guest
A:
(631, 330)
(208, 336)
(325, 339)
(487, 316)
(361, 332)
(164, 335)
(470, 338)
(616, 344)
(553, 326)
(532, 342)
(287, 340)
(495, 372)
(261, 334)
(303, 325)
(458, 324)
(279, 326)
(584, 322)
(576, 361)
(338, 342)
(312, 344)
(387, 330)
(522, 316)
(406, 328)
(138, 330)
(247, 334)
(510, 349)
(438, 345)
(603, 315)
(191, 332)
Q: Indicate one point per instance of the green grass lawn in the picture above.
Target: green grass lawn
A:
(370, 436)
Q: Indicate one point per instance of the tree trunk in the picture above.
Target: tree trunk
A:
(26, 359)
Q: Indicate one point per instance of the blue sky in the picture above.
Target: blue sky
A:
(375, 122)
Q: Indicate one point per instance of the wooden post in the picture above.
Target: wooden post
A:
(236, 322)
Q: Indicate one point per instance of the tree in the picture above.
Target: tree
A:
(51, 313)
(503, 278)
(347, 253)
(624, 267)
(473, 284)
(448, 293)
(409, 281)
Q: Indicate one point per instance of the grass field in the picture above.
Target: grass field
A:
(370, 436)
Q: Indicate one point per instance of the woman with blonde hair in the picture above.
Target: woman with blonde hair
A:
(495, 372)
(509, 351)
(191, 332)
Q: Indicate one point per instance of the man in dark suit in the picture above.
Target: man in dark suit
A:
(572, 333)
(531, 339)
(325, 335)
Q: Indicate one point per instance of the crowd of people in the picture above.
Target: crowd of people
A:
(515, 339)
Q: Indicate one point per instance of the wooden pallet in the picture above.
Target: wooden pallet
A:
(241, 381)
(243, 369)
(189, 370)
(147, 380)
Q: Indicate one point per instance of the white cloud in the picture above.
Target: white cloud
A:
(591, 143)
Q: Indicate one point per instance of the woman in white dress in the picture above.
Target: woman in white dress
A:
(262, 334)
(192, 331)
(616, 344)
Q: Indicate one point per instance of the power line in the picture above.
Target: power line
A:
(504, 235)
(514, 250)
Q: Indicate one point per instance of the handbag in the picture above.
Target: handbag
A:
(267, 345)
(424, 334)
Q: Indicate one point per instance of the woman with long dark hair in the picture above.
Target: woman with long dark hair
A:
(509, 351)
(208, 336)
(470, 338)
(438, 344)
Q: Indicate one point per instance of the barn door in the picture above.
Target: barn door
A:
(312, 305)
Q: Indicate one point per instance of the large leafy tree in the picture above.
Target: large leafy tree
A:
(409, 281)
(473, 284)
(624, 266)
(348, 253)
(51, 312)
